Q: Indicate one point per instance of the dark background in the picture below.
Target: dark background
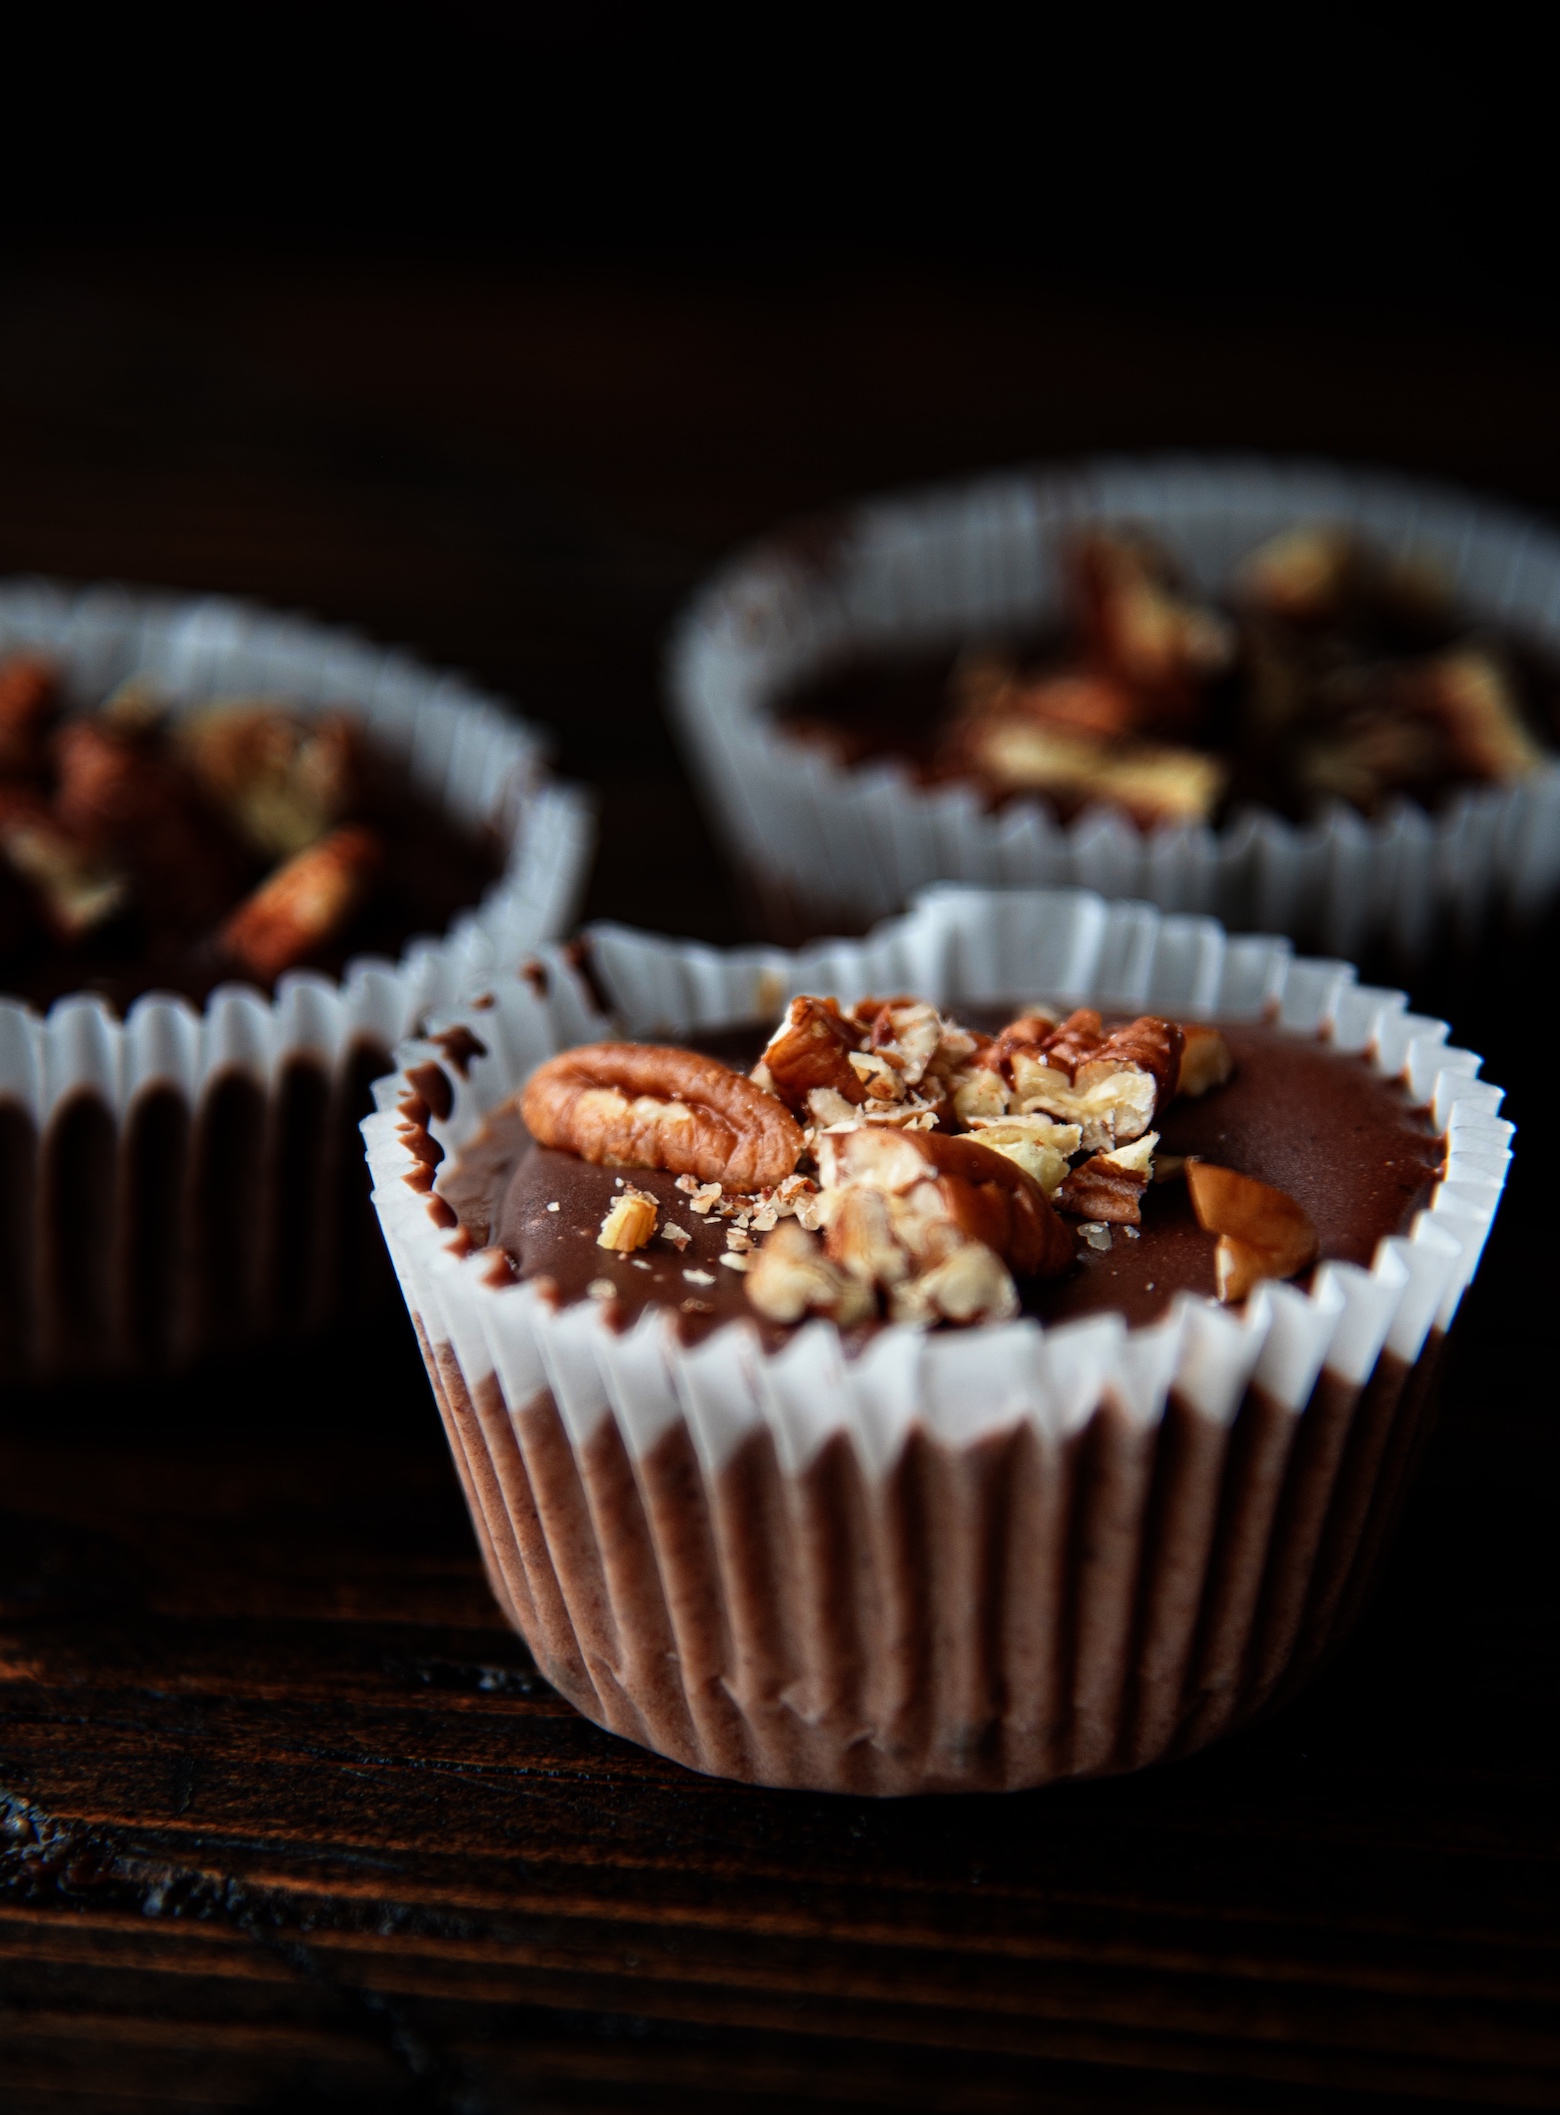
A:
(497, 358)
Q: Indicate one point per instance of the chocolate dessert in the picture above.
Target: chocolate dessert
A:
(142, 849)
(888, 1535)
(884, 1163)
(1329, 673)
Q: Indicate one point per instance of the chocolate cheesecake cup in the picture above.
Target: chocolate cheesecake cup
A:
(1297, 698)
(239, 856)
(919, 1438)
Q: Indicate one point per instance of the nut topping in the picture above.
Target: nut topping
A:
(984, 1195)
(629, 1223)
(76, 889)
(970, 1285)
(304, 904)
(792, 1277)
(282, 779)
(1143, 628)
(1263, 1232)
(1109, 1085)
(1205, 1061)
(923, 1222)
(29, 694)
(1108, 1187)
(1038, 1144)
(812, 1049)
(641, 1105)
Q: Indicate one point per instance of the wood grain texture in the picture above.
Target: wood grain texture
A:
(287, 1819)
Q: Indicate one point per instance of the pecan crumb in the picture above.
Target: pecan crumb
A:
(630, 1222)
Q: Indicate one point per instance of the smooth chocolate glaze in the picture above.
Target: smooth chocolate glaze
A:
(1348, 1146)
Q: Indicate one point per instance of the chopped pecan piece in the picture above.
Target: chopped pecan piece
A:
(1205, 1060)
(1152, 1044)
(1472, 699)
(979, 1095)
(1263, 1232)
(1030, 1033)
(792, 1277)
(303, 905)
(1156, 782)
(284, 780)
(76, 890)
(1304, 575)
(1108, 1188)
(861, 1238)
(970, 1285)
(1078, 1037)
(1109, 1088)
(629, 1223)
(29, 697)
(1039, 1144)
(641, 1105)
(812, 1049)
(985, 1196)
(1085, 699)
(1144, 629)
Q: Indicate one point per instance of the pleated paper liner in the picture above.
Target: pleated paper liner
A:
(189, 1181)
(828, 848)
(966, 1560)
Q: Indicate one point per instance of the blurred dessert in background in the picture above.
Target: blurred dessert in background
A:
(145, 849)
(1329, 672)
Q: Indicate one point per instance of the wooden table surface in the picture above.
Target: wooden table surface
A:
(287, 1820)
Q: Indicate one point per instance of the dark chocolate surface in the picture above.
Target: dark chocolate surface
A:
(1320, 1125)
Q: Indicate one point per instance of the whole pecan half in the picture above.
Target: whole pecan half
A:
(644, 1105)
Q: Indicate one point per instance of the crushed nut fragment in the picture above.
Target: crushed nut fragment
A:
(792, 1277)
(304, 904)
(629, 1223)
(1205, 1060)
(1263, 1232)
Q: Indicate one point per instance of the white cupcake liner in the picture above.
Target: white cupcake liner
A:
(970, 1560)
(828, 846)
(143, 1165)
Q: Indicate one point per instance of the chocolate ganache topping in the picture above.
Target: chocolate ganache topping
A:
(884, 1162)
